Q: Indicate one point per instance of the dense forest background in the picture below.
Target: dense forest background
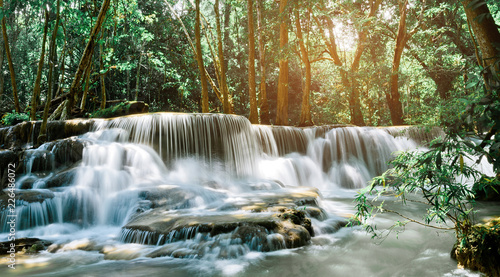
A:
(367, 62)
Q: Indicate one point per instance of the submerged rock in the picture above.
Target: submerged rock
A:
(480, 250)
(24, 246)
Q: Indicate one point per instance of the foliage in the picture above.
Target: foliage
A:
(444, 178)
(440, 178)
(14, 118)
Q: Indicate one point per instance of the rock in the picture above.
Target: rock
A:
(24, 245)
(7, 157)
(26, 133)
(61, 179)
(125, 108)
(29, 196)
(67, 151)
(481, 248)
(158, 226)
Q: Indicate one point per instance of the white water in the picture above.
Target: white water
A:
(219, 162)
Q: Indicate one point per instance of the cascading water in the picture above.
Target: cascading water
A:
(200, 174)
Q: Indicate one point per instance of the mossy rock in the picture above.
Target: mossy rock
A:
(124, 108)
(480, 250)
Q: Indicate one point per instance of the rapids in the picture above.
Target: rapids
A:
(215, 167)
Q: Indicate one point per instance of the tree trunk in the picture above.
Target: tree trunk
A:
(36, 89)
(87, 55)
(485, 30)
(393, 99)
(305, 111)
(254, 116)
(102, 75)
(2, 81)
(138, 76)
(282, 99)
(42, 136)
(11, 65)
(264, 106)
(199, 58)
(222, 65)
(87, 85)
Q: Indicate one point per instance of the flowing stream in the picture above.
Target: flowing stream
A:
(214, 167)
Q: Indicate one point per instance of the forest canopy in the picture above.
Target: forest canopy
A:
(292, 62)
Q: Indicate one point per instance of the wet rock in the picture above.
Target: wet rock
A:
(61, 179)
(26, 133)
(29, 196)
(158, 226)
(24, 245)
(480, 250)
(121, 253)
(67, 151)
(7, 157)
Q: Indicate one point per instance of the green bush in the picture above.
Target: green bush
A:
(14, 118)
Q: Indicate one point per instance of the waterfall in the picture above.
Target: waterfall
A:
(193, 162)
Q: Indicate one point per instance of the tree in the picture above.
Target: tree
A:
(393, 99)
(222, 63)
(282, 109)
(305, 112)
(36, 89)
(254, 116)
(485, 30)
(9, 59)
(264, 106)
(42, 136)
(86, 56)
(199, 58)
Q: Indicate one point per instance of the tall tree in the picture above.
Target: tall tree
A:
(42, 136)
(305, 111)
(484, 28)
(282, 99)
(222, 62)
(36, 89)
(264, 106)
(254, 117)
(393, 99)
(9, 59)
(199, 58)
(87, 55)
(102, 74)
(349, 81)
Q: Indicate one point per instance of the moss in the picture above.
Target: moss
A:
(124, 108)
(480, 249)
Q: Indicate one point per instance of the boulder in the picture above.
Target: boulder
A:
(24, 246)
(125, 108)
(30, 196)
(480, 250)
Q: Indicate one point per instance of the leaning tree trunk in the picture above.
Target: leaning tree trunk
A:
(254, 116)
(86, 88)
(87, 55)
(36, 89)
(282, 109)
(11, 65)
(199, 59)
(42, 136)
